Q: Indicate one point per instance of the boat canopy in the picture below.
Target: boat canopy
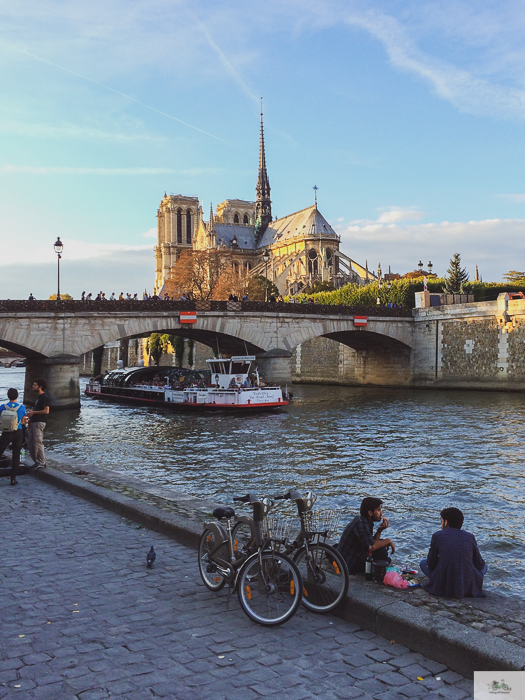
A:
(233, 371)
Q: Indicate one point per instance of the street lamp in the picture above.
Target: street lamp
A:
(58, 250)
(430, 266)
(266, 257)
(420, 265)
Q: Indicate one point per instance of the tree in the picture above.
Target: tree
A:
(191, 353)
(197, 272)
(514, 277)
(156, 346)
(257, 286)
(62, 297)
(177, 343)
(457, 280)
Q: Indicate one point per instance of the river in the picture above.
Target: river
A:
(418, 450)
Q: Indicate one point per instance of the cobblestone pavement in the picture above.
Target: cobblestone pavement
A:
(83, 618)
(497, 615)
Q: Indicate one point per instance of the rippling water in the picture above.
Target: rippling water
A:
(419, 451)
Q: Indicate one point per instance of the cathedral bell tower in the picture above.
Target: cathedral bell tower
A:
(263, 204)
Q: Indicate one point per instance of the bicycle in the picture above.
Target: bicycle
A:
(267, 581)
(323, 570)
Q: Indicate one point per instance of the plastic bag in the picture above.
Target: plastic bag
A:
(392, 578)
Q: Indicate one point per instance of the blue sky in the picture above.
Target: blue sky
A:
(408, 116)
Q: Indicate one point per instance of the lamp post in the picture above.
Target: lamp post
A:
(58, 250)
(266, 257)
(430, 266)
(420, 266)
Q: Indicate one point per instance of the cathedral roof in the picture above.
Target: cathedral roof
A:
(307, 222)
(245, 235)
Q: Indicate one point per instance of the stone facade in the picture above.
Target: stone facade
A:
(470, 349)
(302, 248)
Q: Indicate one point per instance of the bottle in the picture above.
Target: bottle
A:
(368, 565)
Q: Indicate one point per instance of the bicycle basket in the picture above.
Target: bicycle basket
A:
(322, 521)
(279, 528)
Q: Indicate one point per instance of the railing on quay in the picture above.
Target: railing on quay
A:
(155, 305)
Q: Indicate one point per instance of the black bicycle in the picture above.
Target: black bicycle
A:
(267, 581)
(323, 570)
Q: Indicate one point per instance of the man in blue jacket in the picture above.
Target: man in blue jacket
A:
(454, 565)
(12, 416)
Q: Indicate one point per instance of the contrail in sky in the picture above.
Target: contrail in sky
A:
(229, 67)
(122, 94)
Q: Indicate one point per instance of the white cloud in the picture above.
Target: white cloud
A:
(513, 197)
(74, 131)
(66, 170)
(130, 269)
(390, 215)
(468, 92)
(151, 233)
(402, 245)
(73, 251)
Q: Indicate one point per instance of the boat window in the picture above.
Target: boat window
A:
(240, 367)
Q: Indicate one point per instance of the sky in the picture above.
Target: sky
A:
(408, 117)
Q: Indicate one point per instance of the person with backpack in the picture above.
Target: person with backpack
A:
(38, 419)
(12, 418)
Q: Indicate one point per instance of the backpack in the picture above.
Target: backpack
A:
(9, 418)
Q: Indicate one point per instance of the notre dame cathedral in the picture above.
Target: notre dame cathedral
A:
(293, 252)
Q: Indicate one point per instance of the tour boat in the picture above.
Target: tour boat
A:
(229, 383)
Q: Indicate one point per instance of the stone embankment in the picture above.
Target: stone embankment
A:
(468, 634)
(83, 618)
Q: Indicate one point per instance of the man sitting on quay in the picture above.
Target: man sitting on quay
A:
(358, 537)
(454, 565)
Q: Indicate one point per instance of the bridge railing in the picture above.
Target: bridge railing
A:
(153, 305)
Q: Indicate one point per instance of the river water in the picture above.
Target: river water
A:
(419, 451)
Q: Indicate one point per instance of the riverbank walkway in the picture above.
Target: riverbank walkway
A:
(82, 618)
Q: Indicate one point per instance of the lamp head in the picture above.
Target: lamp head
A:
(59, 246)
(266, 256)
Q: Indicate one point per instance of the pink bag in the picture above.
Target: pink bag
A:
(392, 578)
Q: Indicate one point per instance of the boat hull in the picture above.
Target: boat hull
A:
(187, 406)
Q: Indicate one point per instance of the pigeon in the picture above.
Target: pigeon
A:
(150, 558)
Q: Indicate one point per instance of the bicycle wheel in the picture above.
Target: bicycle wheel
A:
(270, 588)
(325, 577)
(208, 570)
(243, 541)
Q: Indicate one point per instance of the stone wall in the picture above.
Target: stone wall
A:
(469, 349)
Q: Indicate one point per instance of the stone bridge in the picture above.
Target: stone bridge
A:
(394, 347)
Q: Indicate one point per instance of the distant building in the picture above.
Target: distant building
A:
(302, 247)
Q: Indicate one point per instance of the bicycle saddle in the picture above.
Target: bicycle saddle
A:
(223, 512)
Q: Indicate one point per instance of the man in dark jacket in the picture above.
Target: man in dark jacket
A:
(454, 565)
(359, 536)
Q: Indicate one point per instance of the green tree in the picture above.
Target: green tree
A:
(156, 346)
(514, 277)
(257, 286)
(191, 352)
(177, 343)
(457, 280)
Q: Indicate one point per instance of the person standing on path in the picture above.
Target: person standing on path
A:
(38, 417)
(12, 417)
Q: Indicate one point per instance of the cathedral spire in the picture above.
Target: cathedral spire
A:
(263, 204)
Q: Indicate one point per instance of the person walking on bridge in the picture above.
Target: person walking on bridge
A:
(38, 417)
